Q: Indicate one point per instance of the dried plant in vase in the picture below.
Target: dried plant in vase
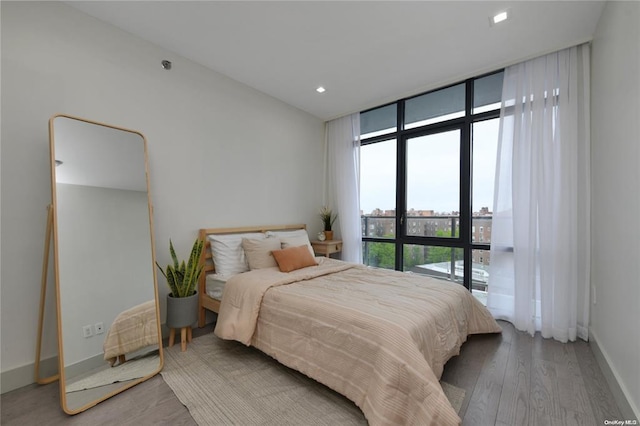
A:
(328, 218)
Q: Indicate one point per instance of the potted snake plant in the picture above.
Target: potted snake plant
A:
(182, 279)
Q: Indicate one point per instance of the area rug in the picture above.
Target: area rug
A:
(224, 382)
(130, 370)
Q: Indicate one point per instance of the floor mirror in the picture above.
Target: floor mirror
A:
(103, 252)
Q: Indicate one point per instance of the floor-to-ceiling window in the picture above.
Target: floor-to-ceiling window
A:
(426, 182)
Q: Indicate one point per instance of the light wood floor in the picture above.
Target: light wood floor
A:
(510, 379)
(516, 379)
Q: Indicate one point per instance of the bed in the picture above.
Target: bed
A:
(131, 330)
(381, 338)
(210, 283)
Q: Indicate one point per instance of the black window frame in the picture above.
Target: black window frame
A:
(465, 239)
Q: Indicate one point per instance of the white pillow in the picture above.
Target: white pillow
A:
(294, 239)
(228, 255)
(258, 252)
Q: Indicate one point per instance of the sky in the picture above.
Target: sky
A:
(432, 171)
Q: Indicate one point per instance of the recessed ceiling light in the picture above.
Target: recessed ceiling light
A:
(499, 17)
(320, 89)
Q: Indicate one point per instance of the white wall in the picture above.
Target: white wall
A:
(615, 106)
(220, 153)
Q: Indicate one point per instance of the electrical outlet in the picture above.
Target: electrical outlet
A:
(86, 331)
(99, 328)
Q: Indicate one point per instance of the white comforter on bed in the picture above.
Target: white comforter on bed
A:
(379, 337)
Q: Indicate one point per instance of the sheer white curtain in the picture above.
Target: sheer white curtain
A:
(343, 152)
(540, 240)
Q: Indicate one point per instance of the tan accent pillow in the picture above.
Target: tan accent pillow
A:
(292, 258)
(294, 239)
(258, 252)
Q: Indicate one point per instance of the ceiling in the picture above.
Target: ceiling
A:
(365, 53)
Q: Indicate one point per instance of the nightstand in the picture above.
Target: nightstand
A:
(325, 248)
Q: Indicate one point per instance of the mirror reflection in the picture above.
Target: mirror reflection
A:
(109, 330)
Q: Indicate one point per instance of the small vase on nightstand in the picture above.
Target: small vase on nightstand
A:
(328, 235)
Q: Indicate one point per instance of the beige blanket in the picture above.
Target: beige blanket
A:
(132, 329)
(379, 337)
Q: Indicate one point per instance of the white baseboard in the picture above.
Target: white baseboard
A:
(621, 395)
(23, 376)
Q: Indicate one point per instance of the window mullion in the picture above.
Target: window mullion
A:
(401, 189)
(466, 186)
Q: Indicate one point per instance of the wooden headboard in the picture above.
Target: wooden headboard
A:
(206, 259)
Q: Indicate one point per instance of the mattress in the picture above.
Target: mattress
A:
(215, 285)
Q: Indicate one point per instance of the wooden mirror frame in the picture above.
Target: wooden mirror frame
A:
(52, 233)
